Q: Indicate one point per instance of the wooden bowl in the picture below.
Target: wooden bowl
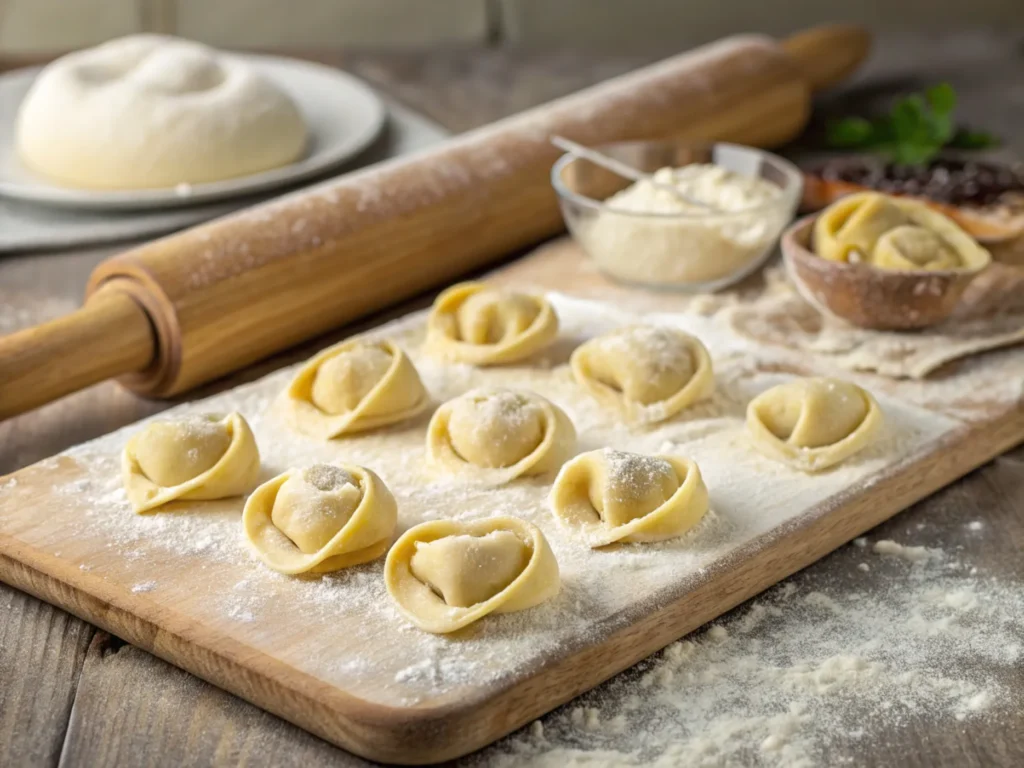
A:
(869, 297)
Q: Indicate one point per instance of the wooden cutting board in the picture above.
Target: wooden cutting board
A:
(330, 655)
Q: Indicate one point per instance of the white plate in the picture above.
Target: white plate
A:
(344, 116)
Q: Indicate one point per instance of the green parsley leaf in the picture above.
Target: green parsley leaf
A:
(916, 129)
(965, 138)
(849, 132)
(941, 98)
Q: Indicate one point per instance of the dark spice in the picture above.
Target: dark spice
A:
(944, 180)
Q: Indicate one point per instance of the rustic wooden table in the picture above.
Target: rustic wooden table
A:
(72, 695)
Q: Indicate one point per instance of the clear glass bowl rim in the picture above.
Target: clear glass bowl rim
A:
(794, 181)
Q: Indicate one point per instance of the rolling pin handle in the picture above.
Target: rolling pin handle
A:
(111, 335)
(828, 54)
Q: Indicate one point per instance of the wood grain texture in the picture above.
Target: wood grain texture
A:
(132, 708)
(428, 734)
(41, 654)
(223, 295)
(826, 56)
(463, 88)
(107, 337)
(441, 727)
(446, 731)
(226, 294)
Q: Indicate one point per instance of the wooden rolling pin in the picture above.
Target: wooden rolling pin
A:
(194, 306)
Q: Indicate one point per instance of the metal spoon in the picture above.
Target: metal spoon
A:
(621, 169)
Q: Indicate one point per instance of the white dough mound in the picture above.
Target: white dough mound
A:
(151, 111)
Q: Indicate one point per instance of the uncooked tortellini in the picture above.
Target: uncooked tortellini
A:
(894, 233)
(471, 323)
(444, 575)
(354, 386)
(647, 373)
(614, 496)
(496, 435)
(813, 423)
(195, 457)
(321, 518)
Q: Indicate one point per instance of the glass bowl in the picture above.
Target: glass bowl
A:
(691, 251)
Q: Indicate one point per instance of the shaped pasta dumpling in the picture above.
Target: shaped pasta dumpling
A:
(471, 323)
(647, 373)
(444, 575)
(197, 457)
(321, 518)
(358, 385)
(497, 435)
(813, 423)
(894, 233)
(612, 496)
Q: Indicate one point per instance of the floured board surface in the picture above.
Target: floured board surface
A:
(331, 653)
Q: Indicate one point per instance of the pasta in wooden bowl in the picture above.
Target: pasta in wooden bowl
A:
(882, 263)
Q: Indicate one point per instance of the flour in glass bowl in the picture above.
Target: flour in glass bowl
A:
(647, 234)
(709, 186)
(342, 628)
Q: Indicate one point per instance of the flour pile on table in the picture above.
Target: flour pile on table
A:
(799, 677)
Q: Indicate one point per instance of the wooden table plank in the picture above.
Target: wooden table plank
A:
(42, 650)
(133, 709)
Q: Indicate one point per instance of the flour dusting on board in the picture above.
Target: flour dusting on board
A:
(342, 627)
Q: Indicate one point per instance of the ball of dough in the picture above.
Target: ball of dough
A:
(312, 505)
(495, 429)
(345, 379)
(170, 453)
(150, 111)
(464, 570)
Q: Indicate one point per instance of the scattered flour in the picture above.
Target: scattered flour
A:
(913, 554)
(239, 613)
(794, 681)
(144, 586)
(200, 555)
(439, 673)
(725, 687)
